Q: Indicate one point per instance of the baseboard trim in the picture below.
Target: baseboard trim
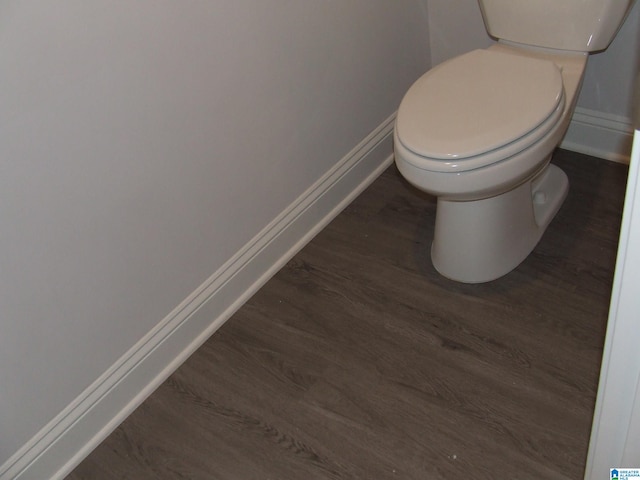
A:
(90, 418)
(600, 135)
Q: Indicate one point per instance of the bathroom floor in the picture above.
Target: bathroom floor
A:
(358, 361)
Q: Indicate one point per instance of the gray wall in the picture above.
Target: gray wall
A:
(143, 143)
(609, 84)
(455, 27)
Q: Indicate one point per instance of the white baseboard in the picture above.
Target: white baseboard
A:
(600, 135)
(90, 418)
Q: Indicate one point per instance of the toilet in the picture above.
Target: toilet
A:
(478, 131)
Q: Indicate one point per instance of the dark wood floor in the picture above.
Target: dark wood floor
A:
(357, 361)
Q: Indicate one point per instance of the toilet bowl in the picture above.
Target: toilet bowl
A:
(478, 132)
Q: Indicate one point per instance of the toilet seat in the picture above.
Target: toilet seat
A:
(479, 108)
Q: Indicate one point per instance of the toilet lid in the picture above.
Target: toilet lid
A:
(478, 102)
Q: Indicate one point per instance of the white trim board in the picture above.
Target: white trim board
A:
(600, 135)
(90, 418)
(615, 433)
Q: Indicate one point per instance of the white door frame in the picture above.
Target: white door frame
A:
(615, 434)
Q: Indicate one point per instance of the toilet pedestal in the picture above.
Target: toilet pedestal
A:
(479, 241)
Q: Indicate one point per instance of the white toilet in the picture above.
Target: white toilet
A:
(478, 131)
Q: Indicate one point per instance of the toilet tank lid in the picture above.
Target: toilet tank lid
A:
(477, 102)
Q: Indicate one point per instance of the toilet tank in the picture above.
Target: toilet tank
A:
(580, 25)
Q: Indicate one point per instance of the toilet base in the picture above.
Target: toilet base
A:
(479, 241)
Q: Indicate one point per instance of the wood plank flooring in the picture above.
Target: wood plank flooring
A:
(358, 361)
